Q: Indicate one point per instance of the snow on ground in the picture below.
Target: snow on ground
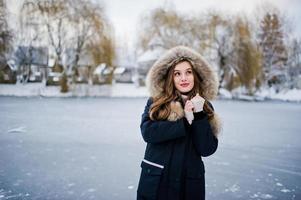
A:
(290, 95)
(131, 90)
(264, 94)
(79, 90)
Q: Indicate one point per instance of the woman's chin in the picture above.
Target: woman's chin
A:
(185, 90)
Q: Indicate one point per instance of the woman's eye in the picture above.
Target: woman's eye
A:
(177, 74)
(189, 72)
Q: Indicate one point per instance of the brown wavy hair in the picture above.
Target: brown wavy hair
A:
(160, 108)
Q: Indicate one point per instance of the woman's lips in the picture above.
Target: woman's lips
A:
(184, 84)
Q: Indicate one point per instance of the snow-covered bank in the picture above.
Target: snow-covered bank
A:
(288, 95)
(130, 90)
(79, 90)
(293, 95)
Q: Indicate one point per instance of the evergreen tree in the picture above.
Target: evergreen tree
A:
(271, 40)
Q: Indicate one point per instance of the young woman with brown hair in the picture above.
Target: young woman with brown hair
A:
(179, 126)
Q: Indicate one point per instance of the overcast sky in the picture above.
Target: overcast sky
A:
(124, 14)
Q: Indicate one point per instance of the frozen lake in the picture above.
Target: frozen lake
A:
(91, 148)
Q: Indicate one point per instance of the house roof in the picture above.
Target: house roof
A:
(11, 65)
(150, 55)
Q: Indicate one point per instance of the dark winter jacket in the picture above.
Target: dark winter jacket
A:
(174, 148)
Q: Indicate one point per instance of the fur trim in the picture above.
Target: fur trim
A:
(156, 76)
(177, 112)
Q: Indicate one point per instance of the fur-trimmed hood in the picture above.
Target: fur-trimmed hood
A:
(156, 78)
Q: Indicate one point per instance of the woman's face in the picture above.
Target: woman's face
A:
(183, 77)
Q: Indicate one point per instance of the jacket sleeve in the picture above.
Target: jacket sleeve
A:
(160, 131)
(203, 139)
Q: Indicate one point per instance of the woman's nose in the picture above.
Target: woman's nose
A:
(183, 77)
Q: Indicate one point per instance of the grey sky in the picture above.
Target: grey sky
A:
(124, 14)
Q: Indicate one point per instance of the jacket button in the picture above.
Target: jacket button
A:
(177, 179)
(148, 170)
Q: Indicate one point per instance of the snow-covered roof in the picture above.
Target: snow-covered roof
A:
(99, 69)
(119, 70)
(11, 64)
(150, 55)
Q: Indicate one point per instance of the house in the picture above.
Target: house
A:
(32, 63)
(83, 71)
(54, 72)
(148, 58)
(102, 74)
(80, 71)
(124, 74)
(8, 73)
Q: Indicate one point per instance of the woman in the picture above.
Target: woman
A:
(179, 126)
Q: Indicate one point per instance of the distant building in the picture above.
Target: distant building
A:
(81, 71)
(32, 63)
(8, 73)
(148, 58)
(124, 74)
(102, 74)
(54, 72)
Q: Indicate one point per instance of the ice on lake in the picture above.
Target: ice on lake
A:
(91, 148)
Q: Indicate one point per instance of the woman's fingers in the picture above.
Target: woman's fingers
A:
(198, 103)
(189, 105)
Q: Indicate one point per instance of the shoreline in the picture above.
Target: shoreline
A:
(123, 90)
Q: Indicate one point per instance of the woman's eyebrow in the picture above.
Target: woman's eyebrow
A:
(183, 70)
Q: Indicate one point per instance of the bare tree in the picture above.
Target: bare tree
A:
(53, 21)
(28, 37)
(219, 45)
(86, 20)
(92, 34)
(54, 17)
(166, 25)
(5, 34)
(294, 63)
(247, 57)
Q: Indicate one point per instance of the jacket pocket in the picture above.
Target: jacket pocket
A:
(149, 180)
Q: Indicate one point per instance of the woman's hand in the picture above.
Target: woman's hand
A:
(198, 103)
(188, 109)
